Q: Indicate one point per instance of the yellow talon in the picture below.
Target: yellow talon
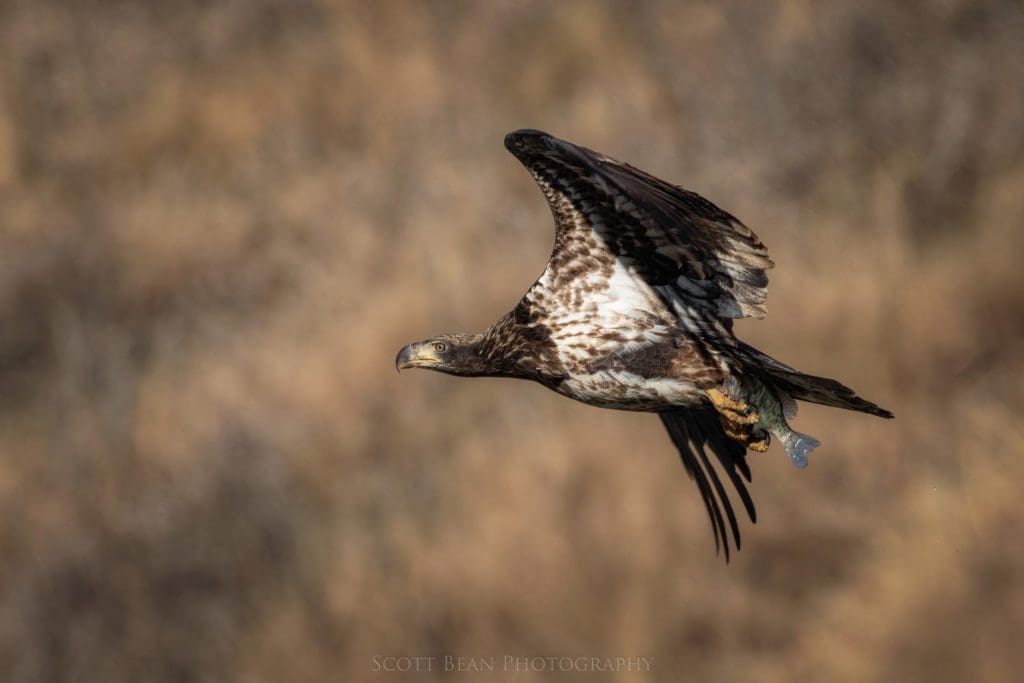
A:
(759, 446)
(723, 401)
(751, 418)
(738, 412)
(730, 432)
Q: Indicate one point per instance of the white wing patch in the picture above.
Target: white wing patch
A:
(620, 309)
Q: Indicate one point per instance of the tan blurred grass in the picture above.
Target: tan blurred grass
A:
(220, 221)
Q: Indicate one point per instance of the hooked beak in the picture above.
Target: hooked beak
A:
(416, 356)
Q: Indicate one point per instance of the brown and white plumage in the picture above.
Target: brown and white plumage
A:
(634, 311)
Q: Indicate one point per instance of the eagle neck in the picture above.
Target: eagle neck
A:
(502, 347)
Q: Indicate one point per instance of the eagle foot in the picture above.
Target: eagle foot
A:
(760, 444)
(754, 439)
(735, 432)
(733, 410)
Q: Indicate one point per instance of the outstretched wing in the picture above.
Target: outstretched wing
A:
(694, 433)
(699, 260)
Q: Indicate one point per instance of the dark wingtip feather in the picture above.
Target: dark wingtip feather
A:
(722, 496)
(526, 138)
(693, 433)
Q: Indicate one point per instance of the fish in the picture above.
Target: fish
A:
(773, 411)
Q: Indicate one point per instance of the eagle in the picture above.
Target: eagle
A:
(635, 311)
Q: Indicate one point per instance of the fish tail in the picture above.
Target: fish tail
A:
(798, 446)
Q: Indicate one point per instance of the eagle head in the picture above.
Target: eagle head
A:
(454, 354)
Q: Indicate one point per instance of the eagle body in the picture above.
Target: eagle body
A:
(634, 312)
(623, 348)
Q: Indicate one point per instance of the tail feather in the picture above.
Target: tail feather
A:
(827, 392)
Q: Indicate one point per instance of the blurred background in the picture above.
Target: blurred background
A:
(220, 220)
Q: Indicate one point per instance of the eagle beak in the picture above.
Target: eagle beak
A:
(416, 356)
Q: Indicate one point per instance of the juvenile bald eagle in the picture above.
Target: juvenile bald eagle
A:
(634, 311)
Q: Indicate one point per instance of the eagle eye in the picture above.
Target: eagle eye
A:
(440, 347)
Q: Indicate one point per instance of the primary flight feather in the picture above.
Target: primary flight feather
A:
(634, 311)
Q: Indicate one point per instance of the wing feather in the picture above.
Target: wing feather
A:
(694, 432)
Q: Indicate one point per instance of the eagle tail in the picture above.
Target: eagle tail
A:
(803, 387)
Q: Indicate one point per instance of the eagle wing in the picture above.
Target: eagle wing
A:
(700, 261)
